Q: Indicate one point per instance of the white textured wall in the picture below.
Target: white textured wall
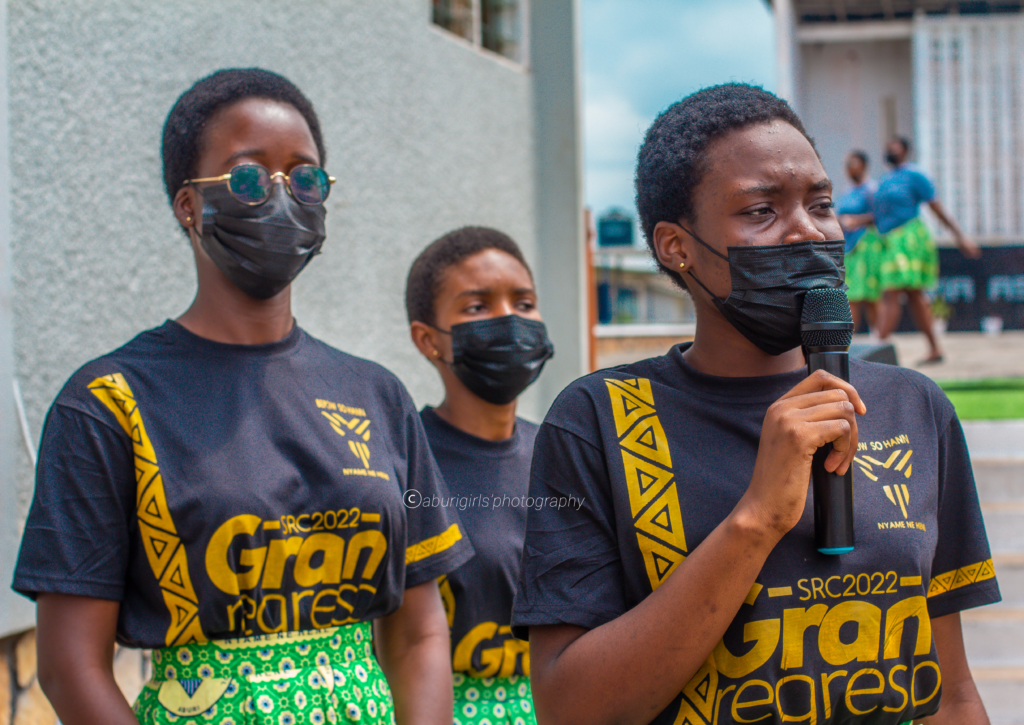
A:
(424, 134)
(842, 87)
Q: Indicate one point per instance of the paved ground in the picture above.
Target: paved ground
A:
(967, 354)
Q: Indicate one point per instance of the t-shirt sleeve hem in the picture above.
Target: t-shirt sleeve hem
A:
(950, 602)
(523, 619)
(33, 586)
(438, 564)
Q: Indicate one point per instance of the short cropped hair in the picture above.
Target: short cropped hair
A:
(904, 142)
(671, 162)
(183, 130)
(858, 154)
(427, 273)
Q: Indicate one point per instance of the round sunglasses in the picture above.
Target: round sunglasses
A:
(251, 184)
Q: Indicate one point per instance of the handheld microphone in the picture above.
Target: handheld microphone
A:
(826, 331)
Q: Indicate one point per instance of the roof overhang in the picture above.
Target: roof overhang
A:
(888, 11)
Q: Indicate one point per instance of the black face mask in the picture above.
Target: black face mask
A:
(892, 159)
(768, 287)
(500, 357)
(261, 249)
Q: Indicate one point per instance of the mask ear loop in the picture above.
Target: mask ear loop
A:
(711, 249)
(705, 244)
(437, 355)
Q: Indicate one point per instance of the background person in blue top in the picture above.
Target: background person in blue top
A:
(910, 262)
(687, 588)
(862, 241)
(228, 491)
(473, 313)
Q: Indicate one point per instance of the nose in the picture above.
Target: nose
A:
(801, 227)
(504, 308)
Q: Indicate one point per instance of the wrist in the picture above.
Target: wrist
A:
(751, 524)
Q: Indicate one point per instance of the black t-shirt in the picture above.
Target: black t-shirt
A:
(229, 490)
(489, 482)
(662, 453)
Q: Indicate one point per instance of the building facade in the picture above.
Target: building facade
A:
(949, 76)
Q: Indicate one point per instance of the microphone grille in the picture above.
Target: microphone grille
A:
(826, 305)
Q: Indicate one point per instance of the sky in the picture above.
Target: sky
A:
(640, 56)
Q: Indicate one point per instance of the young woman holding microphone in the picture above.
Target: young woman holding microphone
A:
(688, 588)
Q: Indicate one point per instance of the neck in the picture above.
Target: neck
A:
(724, 352)
(476, 416)
(223, 313)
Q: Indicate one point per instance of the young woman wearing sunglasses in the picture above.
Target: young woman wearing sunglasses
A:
(226, 489)
(473, 314)
(688, 587)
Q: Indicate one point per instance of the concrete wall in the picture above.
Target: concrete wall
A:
(424, 133)
(855, 95)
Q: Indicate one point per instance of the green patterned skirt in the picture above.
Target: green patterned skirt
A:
(313, 677)
(493, 700)
(863, 264)
(909, 257)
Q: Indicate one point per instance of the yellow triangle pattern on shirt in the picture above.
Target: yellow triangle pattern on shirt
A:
(657, 515)
(650, 480)
(970, 574)
(160, 540)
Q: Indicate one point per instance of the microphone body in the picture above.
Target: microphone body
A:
(826, 329)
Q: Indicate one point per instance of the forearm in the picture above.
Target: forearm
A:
(662, 642)
(85, 696)
(75, 647)
(413, 648)
(963, 707)
(944, 217)
(961, 703)
(421, 683)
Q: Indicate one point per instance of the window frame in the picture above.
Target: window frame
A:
(476, 42)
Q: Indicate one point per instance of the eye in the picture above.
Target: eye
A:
(473, 308)
(825, 205)
(760, 212)
(526, 305)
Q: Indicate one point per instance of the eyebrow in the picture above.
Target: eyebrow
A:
(488, 291)
(759, 189)
(822, 185)
(259, 152)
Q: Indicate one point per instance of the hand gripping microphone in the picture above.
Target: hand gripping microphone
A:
(826, 331)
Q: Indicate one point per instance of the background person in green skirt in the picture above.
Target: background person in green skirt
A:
(229, 491)
(910, 262)
(862, 241)
(473, 313)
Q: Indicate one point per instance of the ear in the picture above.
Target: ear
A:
(186, 202)
(424, 338)
(671, 244)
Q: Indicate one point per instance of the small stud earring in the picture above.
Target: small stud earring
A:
(436, 353)
(188, 219)
(682, 264)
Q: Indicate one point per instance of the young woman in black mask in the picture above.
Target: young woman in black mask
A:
(473, 313)
(226, 489)
(688, 587)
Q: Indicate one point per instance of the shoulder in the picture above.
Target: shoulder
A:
(369, 374)
(894, 385)
(584, 402)
(80, 392)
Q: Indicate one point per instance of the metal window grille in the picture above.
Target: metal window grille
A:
(969, 114)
